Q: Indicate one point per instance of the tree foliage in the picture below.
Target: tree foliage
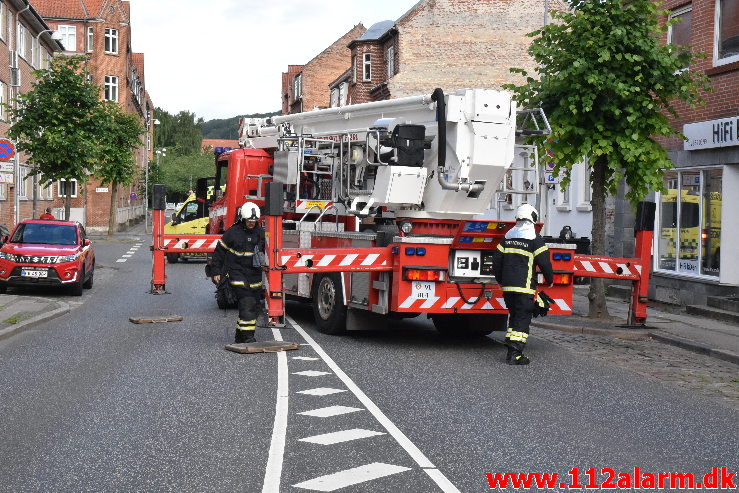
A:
(180, 173)
(607, 85)
(180, 134)
(56, 123)
(228, 128)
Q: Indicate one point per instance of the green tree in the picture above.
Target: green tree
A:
(55, 123)
(180, 173)
(607, 85)
(180, 134)
(120, 136)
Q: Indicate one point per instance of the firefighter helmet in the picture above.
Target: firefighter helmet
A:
(248, 212)
(527, 212)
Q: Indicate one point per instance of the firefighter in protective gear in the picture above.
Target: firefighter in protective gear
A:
(515, 262)
(236, 259)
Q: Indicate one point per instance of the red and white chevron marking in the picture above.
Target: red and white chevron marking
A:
(608, 268)
(335, 260)
(209, 244)
(461, 305)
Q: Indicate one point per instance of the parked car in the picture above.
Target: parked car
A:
(47, 253)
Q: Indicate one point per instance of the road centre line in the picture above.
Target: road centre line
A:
(415, 453)
(273, 472)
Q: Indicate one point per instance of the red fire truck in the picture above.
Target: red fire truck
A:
(419, 170)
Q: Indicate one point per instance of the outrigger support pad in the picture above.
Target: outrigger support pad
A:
(262, 347)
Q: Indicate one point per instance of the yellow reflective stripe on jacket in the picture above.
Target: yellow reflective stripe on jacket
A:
(514, 289)
(256, 285)
(235, 252)
(515, 250)
(542, 249)
(236, 283)
(530, 273)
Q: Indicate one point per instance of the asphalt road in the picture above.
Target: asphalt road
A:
(92, 402)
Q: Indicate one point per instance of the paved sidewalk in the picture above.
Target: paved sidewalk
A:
(665, 323)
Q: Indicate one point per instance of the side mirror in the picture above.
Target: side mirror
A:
(86, 242)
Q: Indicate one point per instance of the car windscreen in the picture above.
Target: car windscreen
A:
(50, 234)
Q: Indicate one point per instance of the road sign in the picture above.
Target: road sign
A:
(7, 150)
(6, 178)
(549, 177)
(6, 167)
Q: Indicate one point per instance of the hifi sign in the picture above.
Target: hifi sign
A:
(712, 134)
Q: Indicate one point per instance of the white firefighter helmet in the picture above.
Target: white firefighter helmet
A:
(527, 212)
(248, 211)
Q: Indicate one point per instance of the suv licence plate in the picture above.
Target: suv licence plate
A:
(34, 273)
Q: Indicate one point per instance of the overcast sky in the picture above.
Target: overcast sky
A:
(222, 58)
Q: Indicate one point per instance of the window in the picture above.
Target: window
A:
(367, 67)
(3, 21)
(343, 91)
(3, 99)
(390, 58)
(20, 39)
(563, 197)
(90, 39)
(354, 69)
(726, 44)
(111, 88)
(111, 40)
(3, 191)
(69, 37)
(63, 188)
(23, 182)
(689, 239)
(298, 87)
(680, 32)
(334, 97)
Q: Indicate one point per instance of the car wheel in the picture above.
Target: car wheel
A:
(329, 309)
(77, 287)
(172, 258)
(88, 283)
(3, 289)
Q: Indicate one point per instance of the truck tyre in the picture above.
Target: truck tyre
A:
(329, 309)
(172, 258)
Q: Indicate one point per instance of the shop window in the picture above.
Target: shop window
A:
(689, 235)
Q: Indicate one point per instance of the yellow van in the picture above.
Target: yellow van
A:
(191, 218)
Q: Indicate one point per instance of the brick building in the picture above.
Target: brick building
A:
(26, 45)
(305, 87)
(695, 228)
(101, 30)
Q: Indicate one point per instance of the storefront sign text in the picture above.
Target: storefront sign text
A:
(712, 134)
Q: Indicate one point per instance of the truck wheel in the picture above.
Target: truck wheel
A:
(473, 325)
(449, 324)
(329, 309)
(172, 258)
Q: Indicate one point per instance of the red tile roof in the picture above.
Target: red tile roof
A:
(67, 9)
(209, 144)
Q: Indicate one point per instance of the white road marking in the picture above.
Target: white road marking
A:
(330, 411)
(348, 477)
(121, 260)
(398, 435)
(273, 473)
(127, 256)
(321, 391)
(311, 373)
(341, 436)
(305, 358)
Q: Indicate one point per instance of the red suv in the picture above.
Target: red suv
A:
(47, 253)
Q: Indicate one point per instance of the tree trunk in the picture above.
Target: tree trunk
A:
(112, 225)
(597, 295)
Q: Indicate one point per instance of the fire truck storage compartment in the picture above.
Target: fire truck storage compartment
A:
(400, 184)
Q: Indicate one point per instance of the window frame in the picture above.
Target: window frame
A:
(354, 69)
(298, 87)
(3, 21)
(367, 67)
(717, 62)
(110, 84)
(75, 188)
(3, 100)
(22, 185)
(70, 32)
(111, 41)
(90, 39)
(677, 13)
(390, 60)
(20, 39)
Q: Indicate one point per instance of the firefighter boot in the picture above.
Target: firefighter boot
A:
(515, 354)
